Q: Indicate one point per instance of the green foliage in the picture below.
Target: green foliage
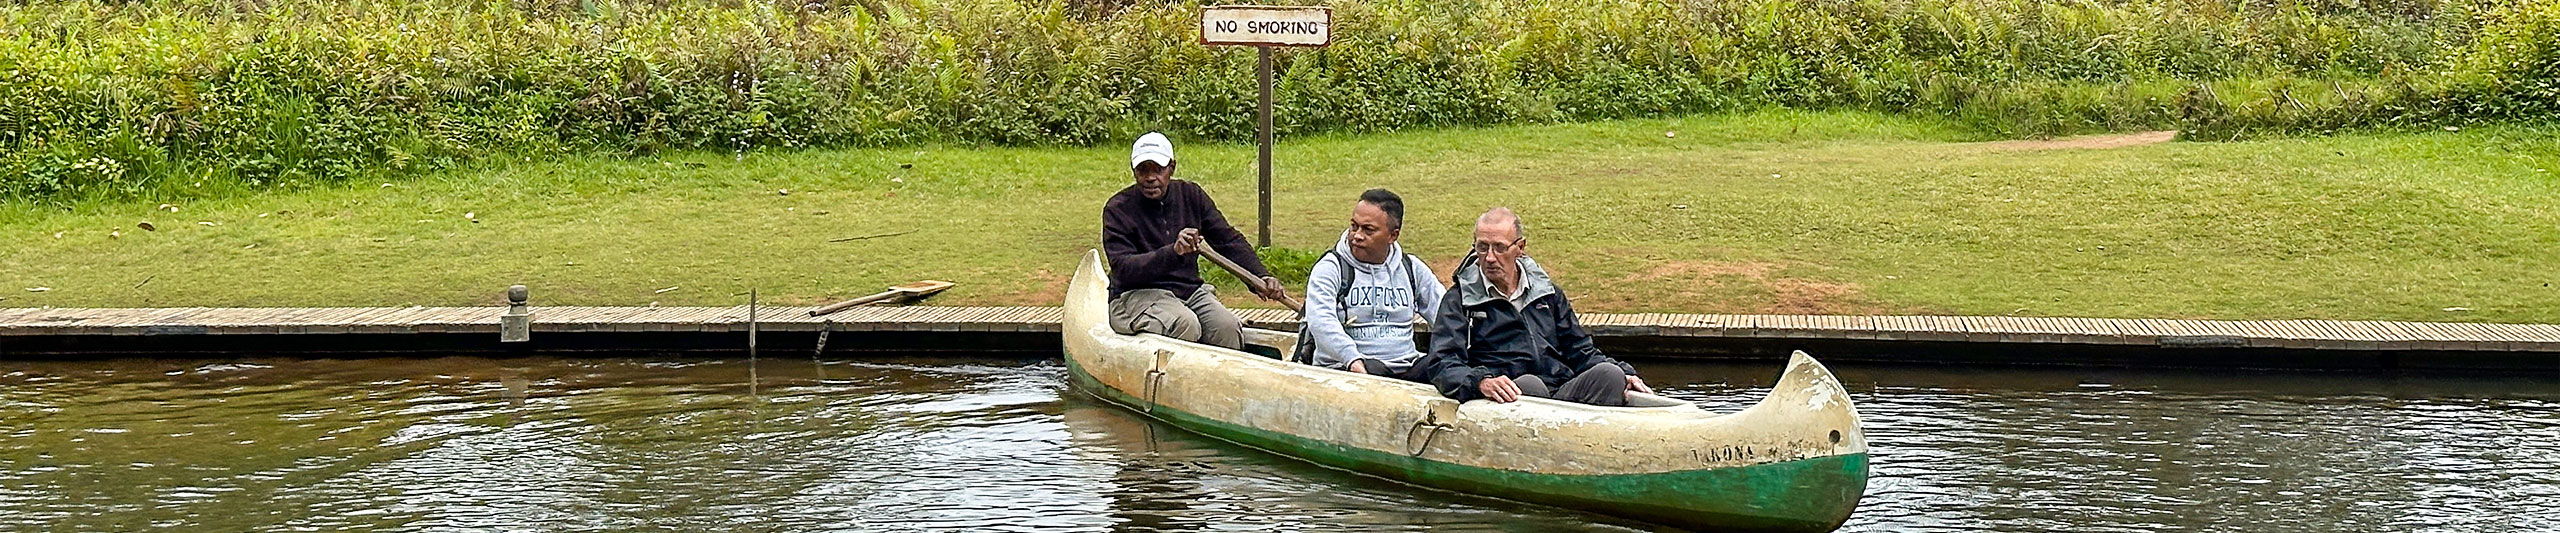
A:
(197, 97)
(2512, 70)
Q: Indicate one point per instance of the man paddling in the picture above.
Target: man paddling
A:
(1505, 330)
(1152, 233)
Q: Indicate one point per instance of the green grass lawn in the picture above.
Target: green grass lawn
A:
(1788, 212)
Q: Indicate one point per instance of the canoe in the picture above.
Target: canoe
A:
(1795, 461)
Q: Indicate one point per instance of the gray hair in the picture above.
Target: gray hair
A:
(1503, 214)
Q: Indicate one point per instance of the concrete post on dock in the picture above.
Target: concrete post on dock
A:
(517, 324)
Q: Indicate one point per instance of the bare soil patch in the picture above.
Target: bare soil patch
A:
(1052, 287)
(1729, 286)
(2086, 142)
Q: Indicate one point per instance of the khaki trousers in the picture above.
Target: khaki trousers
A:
(1198, 318)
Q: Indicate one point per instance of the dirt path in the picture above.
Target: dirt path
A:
(2085, 142)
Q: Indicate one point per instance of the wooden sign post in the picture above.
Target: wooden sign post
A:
(1265, 27)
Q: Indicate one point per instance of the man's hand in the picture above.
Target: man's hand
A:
(1271, 289)
(1500, 389)
(1188, 242)
(1637, 384)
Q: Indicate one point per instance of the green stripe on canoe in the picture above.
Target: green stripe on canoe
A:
(1803, 495)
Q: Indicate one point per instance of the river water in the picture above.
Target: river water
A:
(642, 444)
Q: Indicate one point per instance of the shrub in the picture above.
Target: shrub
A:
(189, 97)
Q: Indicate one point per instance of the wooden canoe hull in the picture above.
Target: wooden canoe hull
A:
(1796, 461)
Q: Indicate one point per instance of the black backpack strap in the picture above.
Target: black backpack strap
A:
(1413, 275)
(1343, 290)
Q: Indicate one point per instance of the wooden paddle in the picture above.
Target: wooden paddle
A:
(902, 292)
(1250, 278)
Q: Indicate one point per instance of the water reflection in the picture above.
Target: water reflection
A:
(991, 444)
(2157, 451)
(1166, 479)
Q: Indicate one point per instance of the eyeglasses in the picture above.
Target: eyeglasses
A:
(1498, 248)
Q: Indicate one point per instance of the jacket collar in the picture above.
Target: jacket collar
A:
(1155, 204)
(1477, 290)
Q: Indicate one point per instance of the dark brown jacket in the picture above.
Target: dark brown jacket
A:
(1138, 233)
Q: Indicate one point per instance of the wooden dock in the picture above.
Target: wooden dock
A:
(63, 331)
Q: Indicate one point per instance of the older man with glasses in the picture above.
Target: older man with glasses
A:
(1505, 330)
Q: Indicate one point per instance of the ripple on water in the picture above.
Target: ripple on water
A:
(990, 445)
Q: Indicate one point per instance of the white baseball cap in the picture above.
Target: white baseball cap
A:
(1151, 147)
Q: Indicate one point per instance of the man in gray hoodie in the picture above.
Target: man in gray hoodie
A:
(1364, 296)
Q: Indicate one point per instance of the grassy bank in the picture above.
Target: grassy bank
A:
(1784, 212)
(202, 98)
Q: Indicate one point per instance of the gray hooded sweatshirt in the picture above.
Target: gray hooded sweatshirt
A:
(1375, 318)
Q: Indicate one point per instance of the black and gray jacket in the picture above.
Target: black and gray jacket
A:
(1477, 334)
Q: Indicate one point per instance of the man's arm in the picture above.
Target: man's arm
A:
(1334, 346)
(1575, 344)
(1129, 261)
(1446, 365)
(1224, 237)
